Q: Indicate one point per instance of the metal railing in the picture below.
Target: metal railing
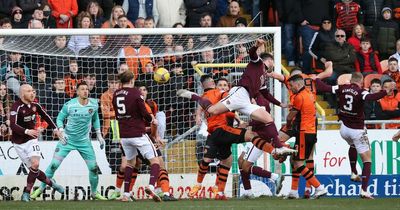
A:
(382, 123)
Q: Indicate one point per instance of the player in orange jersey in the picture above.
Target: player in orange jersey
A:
(286, 132)
(303, 116)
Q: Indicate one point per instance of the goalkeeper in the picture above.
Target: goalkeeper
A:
(80, 113)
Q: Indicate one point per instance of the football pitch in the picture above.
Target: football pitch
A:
(259, 203)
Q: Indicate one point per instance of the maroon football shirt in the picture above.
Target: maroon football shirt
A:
(131, 113)
(351, 102)
(23, 117)
(253, 76)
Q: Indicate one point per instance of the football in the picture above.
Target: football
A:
(161, 75)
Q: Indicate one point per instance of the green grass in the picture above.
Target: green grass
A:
(260, 203)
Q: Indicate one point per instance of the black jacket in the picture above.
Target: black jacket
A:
(195, 8)
(289, 11)
(6, 7)
(371, 11)
(314, 10)
(29, 6)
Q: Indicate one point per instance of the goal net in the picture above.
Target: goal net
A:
(54, 61)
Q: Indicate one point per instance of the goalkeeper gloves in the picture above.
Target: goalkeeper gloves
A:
(100, 139)
(62, 136)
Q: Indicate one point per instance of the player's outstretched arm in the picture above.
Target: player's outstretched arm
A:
(267, 95)
(327, 72)
(324, 87)
(45, 116)
(277, 76)
(375, 96)
(381, 94)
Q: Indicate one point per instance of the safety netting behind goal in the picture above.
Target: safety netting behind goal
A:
(54, 64)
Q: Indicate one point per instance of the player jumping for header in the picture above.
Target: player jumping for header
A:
(239, 98)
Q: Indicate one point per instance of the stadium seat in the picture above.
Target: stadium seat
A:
(344, 79)
(369, 78)
(384, 65)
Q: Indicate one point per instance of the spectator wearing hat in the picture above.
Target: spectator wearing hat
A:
(241, 22)
(229, 19)
(5, 8)
(385, 33)
(395, 6)
(321, 39)
(29, 6)
(17, 19)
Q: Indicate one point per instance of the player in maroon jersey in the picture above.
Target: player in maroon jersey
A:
(239, 98)
(131, 113)
(251, 153)
(24, 138)
(351, 113)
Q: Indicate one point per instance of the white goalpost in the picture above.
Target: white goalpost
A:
(53, 61)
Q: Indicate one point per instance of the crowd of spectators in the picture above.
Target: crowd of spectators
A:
(354, 35)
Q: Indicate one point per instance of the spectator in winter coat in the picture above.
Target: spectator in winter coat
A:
(17, 20)
(142, 8)
(342, 54)
(371, 10)
(63, 12)
(229, 19)
(94, 9)
(29, 6)
(367, 61)
(5, 8)
(385, 34)
(170, 12)
(196, 8)
(395, 6)
(105, 5)
(324, 36)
